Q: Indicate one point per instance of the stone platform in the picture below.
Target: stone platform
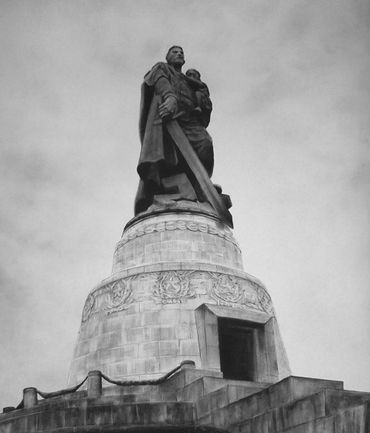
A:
(176, 272)
(178, 299)
(194, 401)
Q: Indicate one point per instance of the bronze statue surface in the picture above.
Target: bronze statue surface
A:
(176, 160)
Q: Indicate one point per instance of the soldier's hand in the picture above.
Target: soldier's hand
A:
(168, 107)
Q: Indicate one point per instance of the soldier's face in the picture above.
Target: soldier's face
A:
(176, 56)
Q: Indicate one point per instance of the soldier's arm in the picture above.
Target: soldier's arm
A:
(159, 78)
(169, 105)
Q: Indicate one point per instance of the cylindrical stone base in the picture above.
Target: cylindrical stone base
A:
(140, 323)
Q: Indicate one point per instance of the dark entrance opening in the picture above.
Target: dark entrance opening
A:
(237, 349)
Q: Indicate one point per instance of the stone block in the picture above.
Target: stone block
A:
(300, 411)
(136, 367)
(237, 392)
(213, 358)
(180, 413)
(205, 420)
(170, 314)
(99, 415)
(83, 348)
(74, 416)
(151, 365)
(169, 348)
(167, 363)
(154, 333)
(90, 361)
(125, 414)
(117, 370)
(167, 332)
(149, 350)
(294, 387)
(354, 419)
(192, 391)
(151, 413)
(203, 406)
(131, 309)
(147, 305)
(219, 398)
(111, 339)
(323, 425)
(338, 399)
(135, 335)
(189, 347)
(53, 418)
(131, 321)
(213, 383)
(151, 318)
(91, 328)
(116, 354)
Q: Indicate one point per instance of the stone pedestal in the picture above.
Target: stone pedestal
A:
(178, 292)
(176, 273)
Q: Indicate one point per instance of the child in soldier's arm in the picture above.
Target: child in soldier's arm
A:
(204, 106)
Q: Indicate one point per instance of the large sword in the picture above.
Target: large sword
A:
(199, 171)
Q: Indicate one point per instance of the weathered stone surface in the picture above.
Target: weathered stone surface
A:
(181, 237)
(194, 400)
(269, 366)
(107, 414)
(140, 322)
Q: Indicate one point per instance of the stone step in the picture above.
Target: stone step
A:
(353, 420)
(97, 414)
(284, 392)
(142, 393)
(314, 411)
(338, 400)
(283, 417)
(208, 384)
(224, 396)
(350, 420)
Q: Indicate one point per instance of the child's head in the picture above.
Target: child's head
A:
(193, 73)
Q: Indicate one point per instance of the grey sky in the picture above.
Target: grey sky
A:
(290, 85)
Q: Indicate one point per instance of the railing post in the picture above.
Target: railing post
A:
(94, 384)
(8, 409)
(29, 397)
(187, 364)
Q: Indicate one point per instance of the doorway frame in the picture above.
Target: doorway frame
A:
(207, 322)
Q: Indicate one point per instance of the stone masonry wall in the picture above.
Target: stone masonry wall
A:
(140, 322)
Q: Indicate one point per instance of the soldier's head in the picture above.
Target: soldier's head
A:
(175, 56)
(193, 73)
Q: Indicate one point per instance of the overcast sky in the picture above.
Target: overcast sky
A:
(290, 84)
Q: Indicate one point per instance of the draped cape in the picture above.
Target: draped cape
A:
(158, 156)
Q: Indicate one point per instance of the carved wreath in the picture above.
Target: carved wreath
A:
(173, 287)
(179, 225)
(226, 289)
(265, 300)
(229, 290)
(120, 296)
(88, 307)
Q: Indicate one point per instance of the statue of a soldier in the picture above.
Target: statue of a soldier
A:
(176, 158)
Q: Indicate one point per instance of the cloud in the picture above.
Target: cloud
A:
(290, 83)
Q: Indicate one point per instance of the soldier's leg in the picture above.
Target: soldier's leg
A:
(204, 150)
